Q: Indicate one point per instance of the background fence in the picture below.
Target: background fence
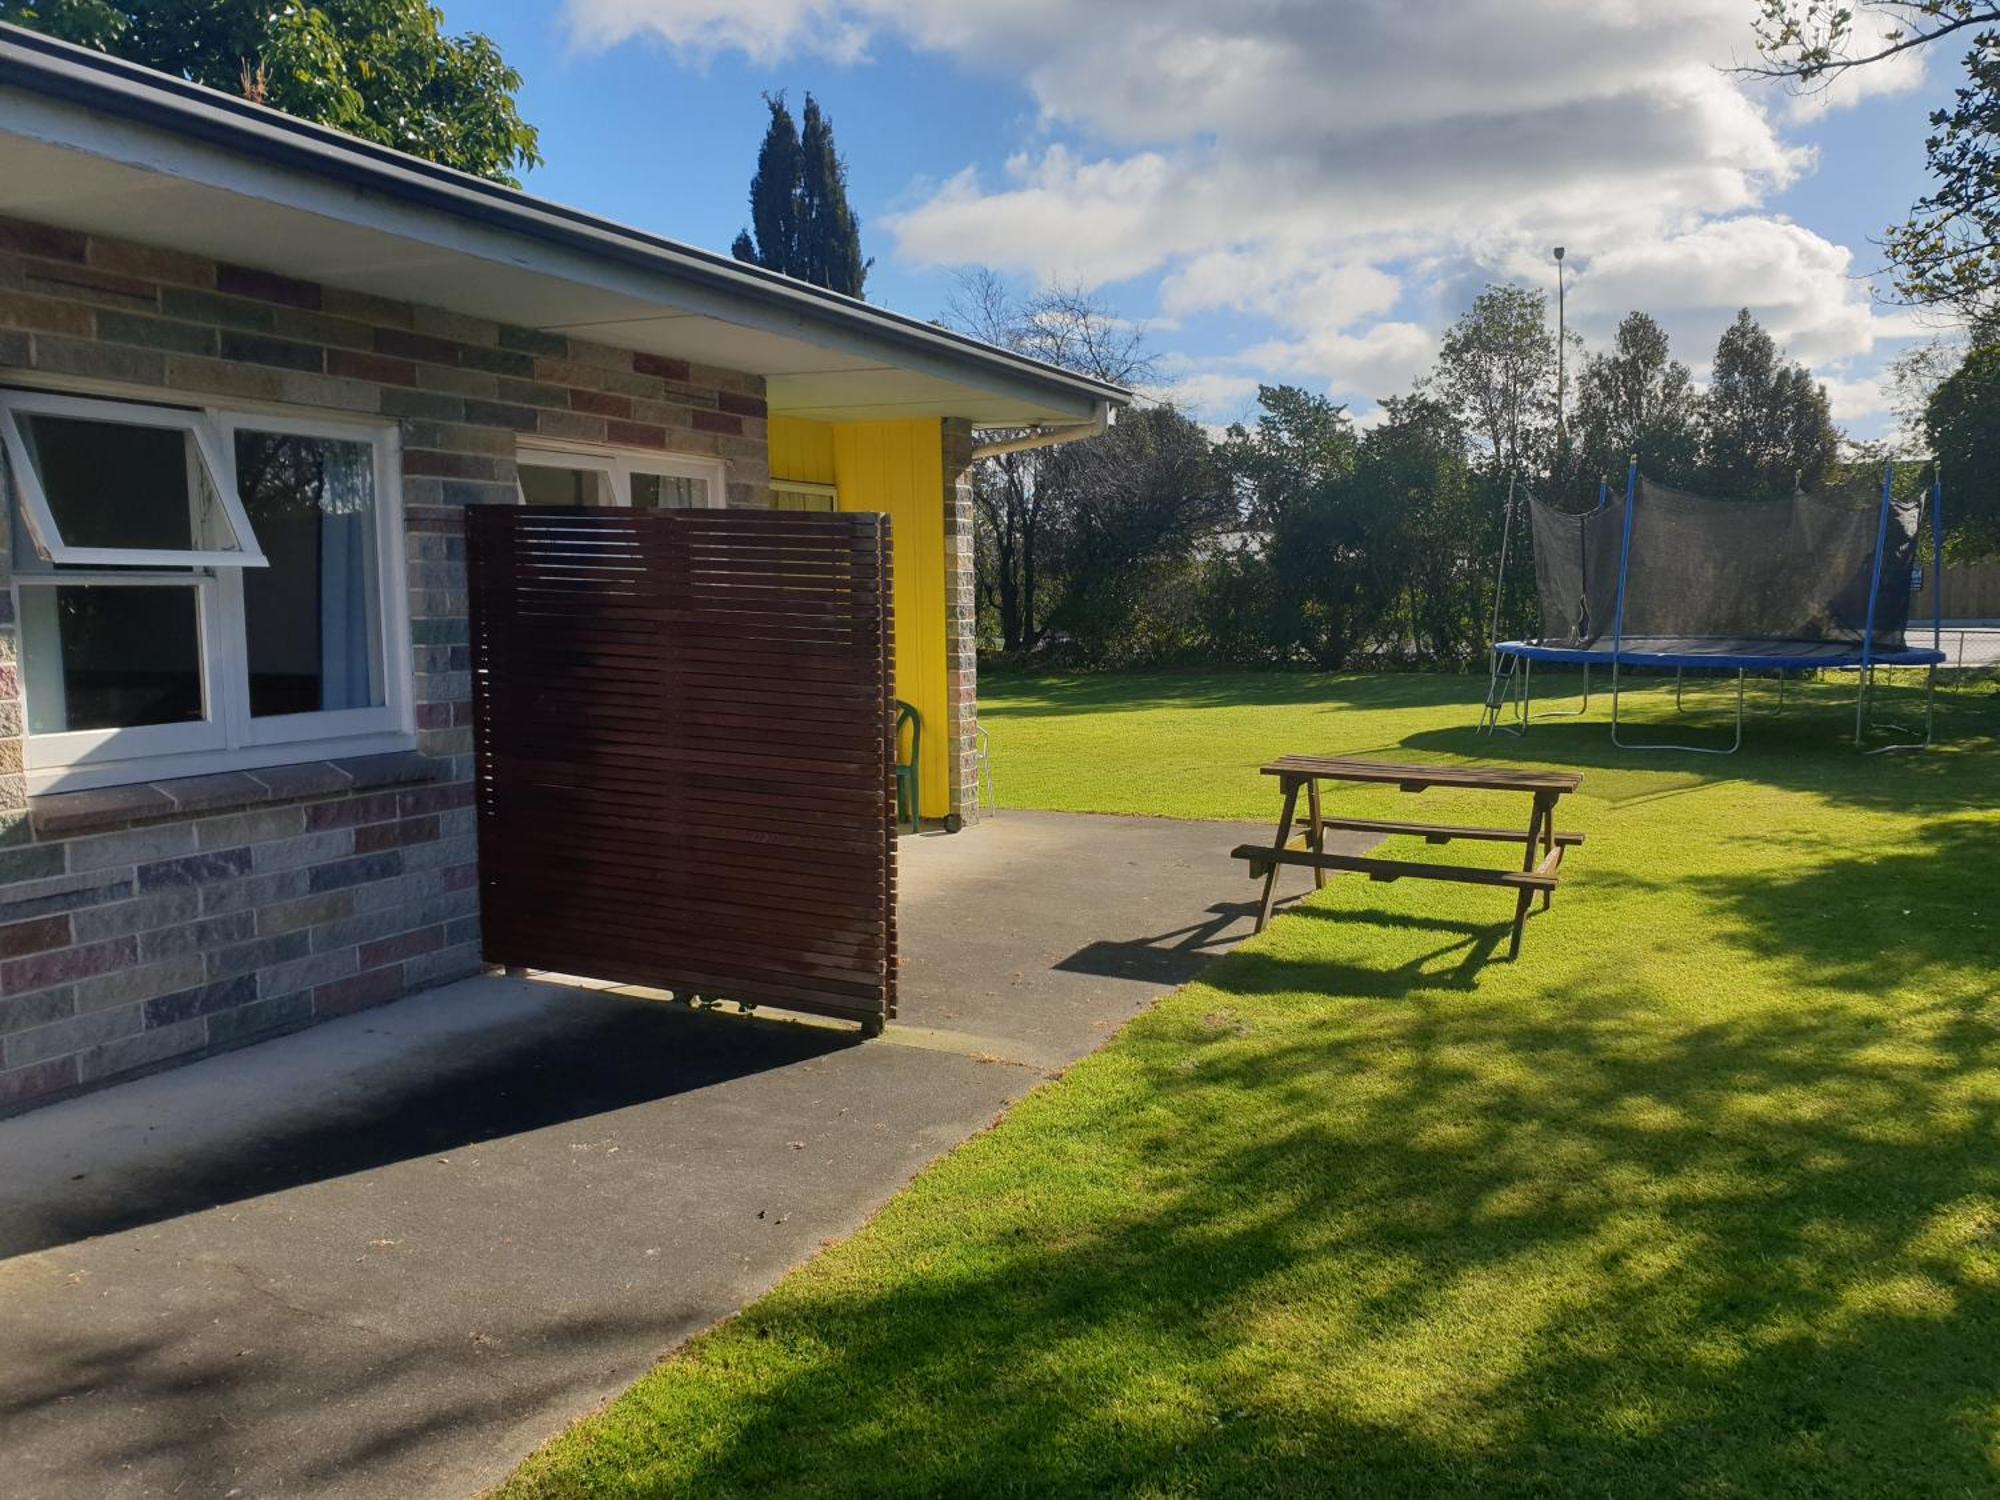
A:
(1971, 592)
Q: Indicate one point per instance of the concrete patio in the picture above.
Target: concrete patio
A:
(391, 1255)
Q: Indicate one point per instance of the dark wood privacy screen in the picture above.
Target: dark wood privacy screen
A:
(684, 759)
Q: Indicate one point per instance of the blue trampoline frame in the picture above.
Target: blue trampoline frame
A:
(1512, 662)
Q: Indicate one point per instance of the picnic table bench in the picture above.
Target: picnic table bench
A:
(1301, 840)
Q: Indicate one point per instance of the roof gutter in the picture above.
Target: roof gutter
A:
(1049, 437)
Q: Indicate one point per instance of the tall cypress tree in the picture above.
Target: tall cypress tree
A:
(800, 221)
(774, 195)
(829, 234)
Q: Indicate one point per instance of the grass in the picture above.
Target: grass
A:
(1700, 1198)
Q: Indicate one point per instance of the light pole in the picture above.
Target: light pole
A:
(1562, 354)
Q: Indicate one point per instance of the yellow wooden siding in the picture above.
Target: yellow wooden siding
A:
(801, 450)
(896, 468)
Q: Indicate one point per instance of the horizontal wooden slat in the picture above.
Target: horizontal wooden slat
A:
(1433, 833)
(684, 770)
(1393, 869)
(1416, 778)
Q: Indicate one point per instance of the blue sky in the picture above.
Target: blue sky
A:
(1308, 194)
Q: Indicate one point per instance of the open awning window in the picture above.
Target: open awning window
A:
(116, 484)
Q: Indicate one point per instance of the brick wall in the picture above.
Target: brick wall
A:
(144, 924)
(121, 950)
(961, 623)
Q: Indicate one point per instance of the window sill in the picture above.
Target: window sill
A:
(62, 815)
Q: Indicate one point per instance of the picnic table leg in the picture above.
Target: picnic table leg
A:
(1522, 902)
(1548, 847)
(1284, 838)
(1318, 831)
(1526, 898)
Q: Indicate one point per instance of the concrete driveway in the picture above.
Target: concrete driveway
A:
(390, 1256)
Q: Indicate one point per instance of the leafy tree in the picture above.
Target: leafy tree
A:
(1330, 598)
(383, 70)
(1497, 370)
(1962, 420)
(1018, 517)
(1301, 443)
(1948, 251)
(1294, 478)
(1766, 425)
(1432, 529)
(800, 221)
(1133, 506)
(1637, 398)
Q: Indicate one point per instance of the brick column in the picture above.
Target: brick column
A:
(961, 627)
(15, 829)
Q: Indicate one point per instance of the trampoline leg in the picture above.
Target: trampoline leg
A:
(1735, 745)
(1678, 674)
(1930, 717)
(1575, 713)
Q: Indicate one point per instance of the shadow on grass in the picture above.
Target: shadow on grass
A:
(1810, 750)
(1026, 695)
(1366, 1246)
(1454, 964)
(1869, 921)
(1806, 744)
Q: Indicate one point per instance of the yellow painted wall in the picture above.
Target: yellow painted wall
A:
(896, 468)
(801, 450)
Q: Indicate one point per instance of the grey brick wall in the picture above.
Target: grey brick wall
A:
(143, 925)
(961, 622)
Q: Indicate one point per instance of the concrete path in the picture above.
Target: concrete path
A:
(390, 1256)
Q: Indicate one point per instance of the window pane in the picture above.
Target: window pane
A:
(311, 619)
(110, 657)
(114, 484)
(547, 484)
(667, 492)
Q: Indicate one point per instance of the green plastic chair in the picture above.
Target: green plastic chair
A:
(909, 802)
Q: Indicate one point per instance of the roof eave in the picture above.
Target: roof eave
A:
(62, 72)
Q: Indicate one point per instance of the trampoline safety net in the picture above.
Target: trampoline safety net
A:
(1698, 570)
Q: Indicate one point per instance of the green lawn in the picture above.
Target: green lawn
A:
(1702, 1197)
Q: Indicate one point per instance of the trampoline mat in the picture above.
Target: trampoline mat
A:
(1719, 653)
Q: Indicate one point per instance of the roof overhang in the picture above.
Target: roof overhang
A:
(93, 143)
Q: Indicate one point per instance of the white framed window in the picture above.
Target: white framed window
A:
(290, 643)
(119, 484)
(553, 474)
(803, 494)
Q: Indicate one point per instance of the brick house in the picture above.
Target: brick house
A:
(251, 373)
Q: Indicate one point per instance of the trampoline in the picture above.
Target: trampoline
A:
(1663, 580)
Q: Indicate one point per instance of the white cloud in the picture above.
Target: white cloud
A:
(761, 29)
(1227, 395)
(1859, 399)
(1801, 287)
(1328, 167)
(1383, 359)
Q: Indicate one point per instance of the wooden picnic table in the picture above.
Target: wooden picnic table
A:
(1537, 875)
